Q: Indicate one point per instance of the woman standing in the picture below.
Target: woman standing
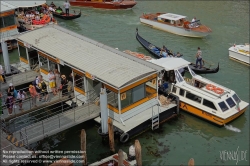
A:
(58, 80)
(64, 84)
(9, 103)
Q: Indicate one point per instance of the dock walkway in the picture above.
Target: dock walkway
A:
(58, 123)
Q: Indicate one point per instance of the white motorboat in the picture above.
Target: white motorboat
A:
(176, 24)
(200, 96)
(240, 53)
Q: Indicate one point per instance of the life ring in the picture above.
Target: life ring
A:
(218, 90)
(210, 87)
(124, 137)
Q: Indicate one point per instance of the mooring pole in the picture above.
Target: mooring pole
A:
(191, 162)
(83, 146)
(111, 136)
(120, 157)
(138, 153)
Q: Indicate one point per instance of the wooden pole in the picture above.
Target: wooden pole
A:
(191, 162)
(138, 153)
(83, 146)
(111, 135)
(120, 157)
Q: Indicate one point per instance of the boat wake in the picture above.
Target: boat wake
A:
(230, 127)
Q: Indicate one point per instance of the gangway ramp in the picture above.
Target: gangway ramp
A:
(59, 122)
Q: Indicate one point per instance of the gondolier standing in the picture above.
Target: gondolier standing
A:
(66, 6)
(199, 57)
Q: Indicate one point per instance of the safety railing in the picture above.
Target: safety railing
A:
(60, 121)
(34, 116)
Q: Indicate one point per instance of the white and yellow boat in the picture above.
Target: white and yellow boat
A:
(240, 53)
(200, 96)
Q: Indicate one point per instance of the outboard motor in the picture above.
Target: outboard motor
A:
(131, 153)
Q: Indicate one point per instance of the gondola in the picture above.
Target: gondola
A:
(60, 14)
(155, 51)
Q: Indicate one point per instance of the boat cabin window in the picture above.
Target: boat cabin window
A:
(1, 23)
(182, 92)
(236, 98)
(193, 97)
(52, 65)
(173, 89)
(79, 81)
(230, 102)
(209, 104)
(223, 106)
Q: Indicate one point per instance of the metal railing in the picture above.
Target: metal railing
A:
(12, 124)
(60, 121)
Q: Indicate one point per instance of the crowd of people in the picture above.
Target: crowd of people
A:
(38, 90)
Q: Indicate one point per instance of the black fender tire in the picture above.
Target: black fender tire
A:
(124, 137)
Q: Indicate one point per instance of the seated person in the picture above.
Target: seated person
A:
(51, 9)
(178, 54)
(52, 5)
(37, 17)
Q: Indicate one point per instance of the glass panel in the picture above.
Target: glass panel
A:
(178, 76)
(138, 93)
(230, 102)
(52, 65)
(113, 99)
(151, 87)
(43, 63)
(127, 100)
(1, 22)
(22, 51)
(182, 92)
(236, 98)
(9, 20)
(209, 104)
(191, 72)
(193, 97)
(79, 81)
(223, 106)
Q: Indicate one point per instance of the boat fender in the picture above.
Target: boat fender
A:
(218, 90)
(124, 137)
(131, 150)
(210, 87)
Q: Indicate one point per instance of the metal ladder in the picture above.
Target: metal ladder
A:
(155, 119)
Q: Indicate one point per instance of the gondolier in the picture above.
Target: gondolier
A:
(66, 6)
(199, 57)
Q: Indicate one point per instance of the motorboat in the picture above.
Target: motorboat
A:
(104, 4)
(200, 96)
(240, 53)
(155, 51)
(176, 24)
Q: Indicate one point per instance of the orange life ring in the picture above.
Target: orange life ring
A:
(218, 90)
(210, 87)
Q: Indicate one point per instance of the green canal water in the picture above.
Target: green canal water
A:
(188, 137)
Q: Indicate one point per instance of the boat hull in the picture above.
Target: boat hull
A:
(239, 57)
(175, 30)
(104, 5)
(210, 117)
(70, 17)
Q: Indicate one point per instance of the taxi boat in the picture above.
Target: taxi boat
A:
(200, 96)
(240, 53)
(176, 24)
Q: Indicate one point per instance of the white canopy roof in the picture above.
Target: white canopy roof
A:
(107, 64)
(171, 16)
(170, 63)
(11, 5)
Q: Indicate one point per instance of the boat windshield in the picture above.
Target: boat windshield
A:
(223, 106)
(236, 98)
(230, 102)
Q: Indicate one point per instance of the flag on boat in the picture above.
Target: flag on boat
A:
(238, 106)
